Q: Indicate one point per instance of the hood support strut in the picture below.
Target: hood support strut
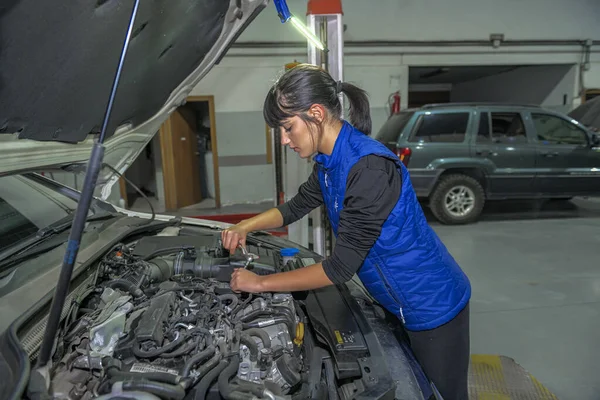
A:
(39, 385)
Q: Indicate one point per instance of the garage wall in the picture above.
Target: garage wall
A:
(245, 176)
(447, 20)
(241, 81)
(552, 86)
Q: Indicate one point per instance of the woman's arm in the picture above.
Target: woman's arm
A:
(372, 190)
(307, 278)
(270, 219)
(308, 198)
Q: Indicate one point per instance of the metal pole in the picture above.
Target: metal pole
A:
(91, 177)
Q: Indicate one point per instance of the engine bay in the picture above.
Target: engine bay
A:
(160, 321)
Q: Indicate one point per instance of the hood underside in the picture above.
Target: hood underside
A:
(58, 62)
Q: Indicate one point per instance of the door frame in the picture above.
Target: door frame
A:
(168, 162)
(584, 96)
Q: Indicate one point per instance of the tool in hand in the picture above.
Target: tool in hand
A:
(249, 256)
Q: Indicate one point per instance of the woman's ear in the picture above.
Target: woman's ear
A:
(317, 112)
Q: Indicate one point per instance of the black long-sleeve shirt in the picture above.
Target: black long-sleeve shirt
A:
(373, 188)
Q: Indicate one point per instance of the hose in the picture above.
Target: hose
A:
(181, 351)
(169, 347)
(225, 375)
(277, 319)
(137, 350)
(231, 297)
(330, 379)
(198, 358)
(259, 333)
(162, 390)
(254, 314)
(287, 312)
(241, 306)
(208, 379)
(208, 366)
(127, 286)
(251, 345)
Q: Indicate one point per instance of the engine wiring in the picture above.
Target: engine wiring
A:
(136, 329)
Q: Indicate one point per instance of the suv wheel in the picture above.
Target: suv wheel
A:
(457, 199)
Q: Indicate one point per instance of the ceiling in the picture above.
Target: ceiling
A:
(454, 74)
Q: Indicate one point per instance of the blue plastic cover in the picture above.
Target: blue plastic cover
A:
(289, 252)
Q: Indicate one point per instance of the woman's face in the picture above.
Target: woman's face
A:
(297, 134)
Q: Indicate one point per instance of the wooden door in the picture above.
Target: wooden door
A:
(179, 150)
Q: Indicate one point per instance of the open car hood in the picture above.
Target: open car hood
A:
(58, 62)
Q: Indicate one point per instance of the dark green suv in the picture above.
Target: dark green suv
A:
(459, 155)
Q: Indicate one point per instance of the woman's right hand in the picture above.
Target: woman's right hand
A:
(234, 236)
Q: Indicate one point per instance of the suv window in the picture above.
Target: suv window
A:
(393, 127)
(441, 128)
(554, 130)
(504, 127)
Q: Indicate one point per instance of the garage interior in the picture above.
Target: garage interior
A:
(533, 264)
(551, 86)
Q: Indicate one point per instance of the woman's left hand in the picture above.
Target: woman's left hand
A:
(243, 280)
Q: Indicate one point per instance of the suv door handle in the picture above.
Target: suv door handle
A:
(550, 154)
(485, 153)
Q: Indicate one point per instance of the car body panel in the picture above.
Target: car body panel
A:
(573, 169)
(52, 101)
(512, 165)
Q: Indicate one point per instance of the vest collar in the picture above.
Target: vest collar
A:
(330, 162)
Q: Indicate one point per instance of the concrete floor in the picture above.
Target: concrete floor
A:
(535, 274)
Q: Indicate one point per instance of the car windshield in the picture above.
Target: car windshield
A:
(393, 127)
(26, 207)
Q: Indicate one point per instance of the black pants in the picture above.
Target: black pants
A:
(444, 354)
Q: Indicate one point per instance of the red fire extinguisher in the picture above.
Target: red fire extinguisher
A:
(395, 103)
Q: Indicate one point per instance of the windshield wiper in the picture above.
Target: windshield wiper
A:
(30, 247)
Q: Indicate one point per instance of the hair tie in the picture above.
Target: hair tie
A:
(338, 87)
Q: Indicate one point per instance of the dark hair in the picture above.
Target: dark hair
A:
(304, 85)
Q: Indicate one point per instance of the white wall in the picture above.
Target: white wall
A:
(244, 76)
(447, 20)
(545, 85)
(239, 93)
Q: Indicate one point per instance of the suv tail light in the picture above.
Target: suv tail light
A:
(404, 154)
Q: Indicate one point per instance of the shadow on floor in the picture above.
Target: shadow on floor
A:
(516, 210)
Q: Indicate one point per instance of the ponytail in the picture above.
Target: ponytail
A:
(360, 113)
(304, 85)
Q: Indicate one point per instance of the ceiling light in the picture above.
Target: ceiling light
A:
(285, 15)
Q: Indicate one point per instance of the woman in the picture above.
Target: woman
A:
(381, 232)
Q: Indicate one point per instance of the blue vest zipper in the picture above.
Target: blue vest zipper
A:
(391, 293)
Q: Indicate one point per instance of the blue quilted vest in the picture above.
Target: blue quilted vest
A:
(408, 271)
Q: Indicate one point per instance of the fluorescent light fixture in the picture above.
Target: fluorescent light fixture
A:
(307, 34)
(285, 15)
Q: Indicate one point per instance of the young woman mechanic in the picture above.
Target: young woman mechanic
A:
(381, 232)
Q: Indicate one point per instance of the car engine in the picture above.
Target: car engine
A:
(160, 321)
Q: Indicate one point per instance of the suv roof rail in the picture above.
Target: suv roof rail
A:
(479, 103)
